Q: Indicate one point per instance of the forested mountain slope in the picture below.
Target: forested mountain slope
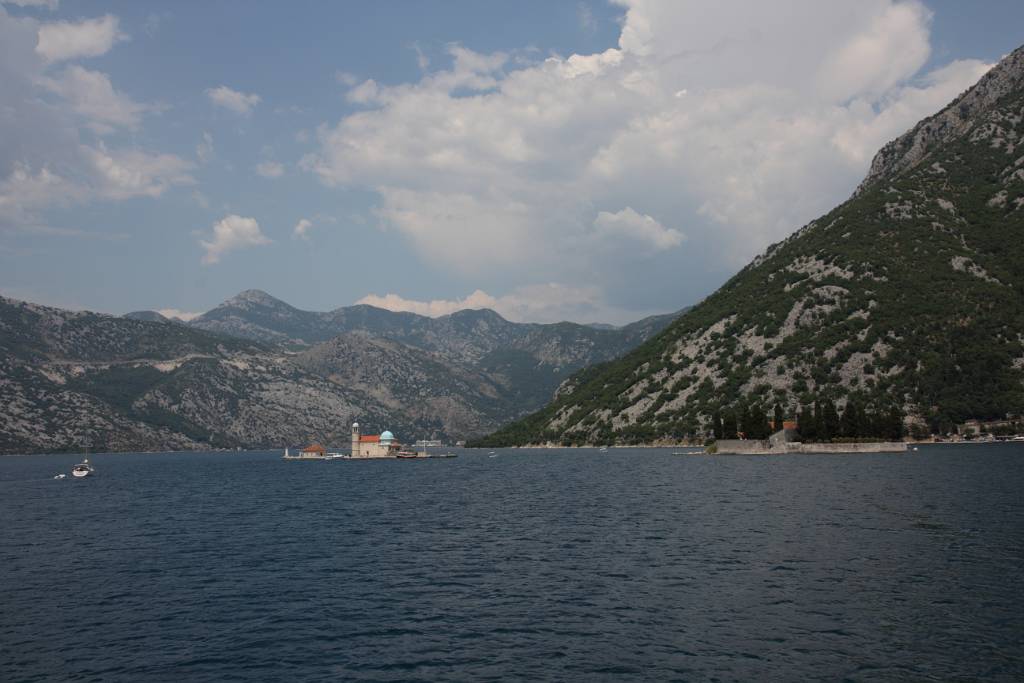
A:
(910, 294)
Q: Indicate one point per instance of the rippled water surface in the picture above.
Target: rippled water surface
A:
(556, 565)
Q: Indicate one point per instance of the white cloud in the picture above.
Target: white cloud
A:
(122, 174)
(586, 18)
(233, 100)
(72, 40)
(43, 160)
(892, 46)
(100, 174)
(184, 316)
(642, 228)
(739, 120)
(48, 4)
(231, 233)
(551, 302)
(204, 150)
(301, 229)
(422, 61)
(92, 96)
(270, 169)
(26, 190)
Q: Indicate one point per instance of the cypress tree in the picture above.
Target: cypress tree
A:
(895, 423)
(849, 422)
(779, 418)
(830, 421)
(806, 424)
(729, 426)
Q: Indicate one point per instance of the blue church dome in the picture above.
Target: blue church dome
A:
(387, 436)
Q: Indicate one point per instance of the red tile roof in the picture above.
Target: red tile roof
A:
(375, 438)
(315, 448)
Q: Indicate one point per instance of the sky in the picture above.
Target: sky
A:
(552, 160)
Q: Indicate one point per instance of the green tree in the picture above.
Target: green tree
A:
(806, 424)
(830, 421)
(743, 422)
(850, 423)
(894, 424)
(729, 425)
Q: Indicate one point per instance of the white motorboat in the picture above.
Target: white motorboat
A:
(82, 469)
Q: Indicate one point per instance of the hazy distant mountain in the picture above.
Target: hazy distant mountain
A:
(466, 335)
(418, 383)
(910, 293)
(77, 380)
(528, 360)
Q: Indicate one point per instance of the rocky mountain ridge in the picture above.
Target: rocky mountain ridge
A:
(79, 380)
(528, 361)
(910, 294)
(466, 335)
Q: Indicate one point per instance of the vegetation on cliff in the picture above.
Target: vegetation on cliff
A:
(910, 294)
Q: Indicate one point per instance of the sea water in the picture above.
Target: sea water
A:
(569, 565)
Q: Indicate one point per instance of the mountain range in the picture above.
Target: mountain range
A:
(256, 372)
(910, 294)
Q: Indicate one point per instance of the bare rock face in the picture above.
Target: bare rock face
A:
(79, 380)
(912, 147)
(524, 361)
(76, 381)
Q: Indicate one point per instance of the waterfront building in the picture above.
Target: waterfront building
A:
(384, 445)
(316, 451)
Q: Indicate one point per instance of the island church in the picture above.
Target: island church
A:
(373, 446)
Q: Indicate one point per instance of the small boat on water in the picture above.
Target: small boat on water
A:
(82, 469)
(408, 455)
(60, 476)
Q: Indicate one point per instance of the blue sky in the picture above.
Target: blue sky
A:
(589, 161)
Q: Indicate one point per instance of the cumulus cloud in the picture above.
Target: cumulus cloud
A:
(92, 95)
(44, 162)
(100, 174)
(740, 121)
(550, 302)
(62, 40)
(642, 228)
(231, 233)
(892, 45)
(270, 169)
(301, 229)
(233, 100)
(123, 174)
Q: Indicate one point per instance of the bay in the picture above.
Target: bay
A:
(567, 564)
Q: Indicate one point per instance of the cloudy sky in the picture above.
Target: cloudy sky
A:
(590, 161)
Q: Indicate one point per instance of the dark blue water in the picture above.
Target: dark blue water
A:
(556, 565)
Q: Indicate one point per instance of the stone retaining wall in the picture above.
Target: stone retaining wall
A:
(758, 447)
